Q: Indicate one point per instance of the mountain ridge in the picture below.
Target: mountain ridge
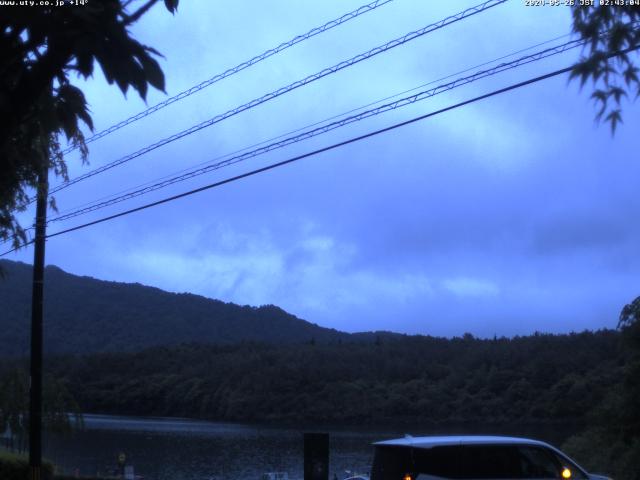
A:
(87, 315)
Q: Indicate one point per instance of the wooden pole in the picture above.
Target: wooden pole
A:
(35, 381)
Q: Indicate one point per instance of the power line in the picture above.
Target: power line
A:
(238, 68)
(155, 185)
(308, 154)
(281, 91)
(185, 174)
(300, 129)
(423, 95)
(114, 198)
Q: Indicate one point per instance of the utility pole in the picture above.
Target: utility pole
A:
(35, 383)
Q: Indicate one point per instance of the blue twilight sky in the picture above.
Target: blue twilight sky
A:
(512, 215)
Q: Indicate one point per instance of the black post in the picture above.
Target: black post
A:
(35, 384)
(316, 456)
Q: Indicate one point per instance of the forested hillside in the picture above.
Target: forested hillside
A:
(541, 378)
(85, 315)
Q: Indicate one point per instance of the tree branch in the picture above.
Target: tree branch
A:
(129, 19)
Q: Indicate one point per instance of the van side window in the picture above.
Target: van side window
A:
(539, 463)
(462, 462)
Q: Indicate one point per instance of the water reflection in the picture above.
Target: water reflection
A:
(183, 449)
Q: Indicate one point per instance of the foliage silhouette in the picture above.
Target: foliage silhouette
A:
(611, 442)
(608, 29)
(60, 413)
(541, 378)
(40, 48)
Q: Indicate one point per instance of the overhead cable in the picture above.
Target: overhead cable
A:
(423, 95)
(305, 155)
(238, 68)
(281, 91)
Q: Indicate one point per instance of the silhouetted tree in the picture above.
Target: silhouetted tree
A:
(40, 48)
(630, 326)
(60, 407)
(609, 29)
(611, 442)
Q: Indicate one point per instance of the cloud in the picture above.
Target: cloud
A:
(471, 287)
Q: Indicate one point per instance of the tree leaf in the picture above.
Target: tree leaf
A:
(630, 75)
(152, 70)
(172, 5)
(614, 118)
(599, 95)
(617, 93)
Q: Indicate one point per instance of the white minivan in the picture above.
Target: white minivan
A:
(472, 458)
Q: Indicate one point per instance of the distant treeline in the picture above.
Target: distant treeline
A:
(540, 378)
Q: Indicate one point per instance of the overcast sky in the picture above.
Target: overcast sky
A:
(511, 215)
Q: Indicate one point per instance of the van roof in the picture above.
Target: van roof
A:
(430, 442)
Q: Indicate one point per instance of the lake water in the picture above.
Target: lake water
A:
(182, 449)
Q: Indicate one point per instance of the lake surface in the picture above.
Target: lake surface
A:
(183, 449)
